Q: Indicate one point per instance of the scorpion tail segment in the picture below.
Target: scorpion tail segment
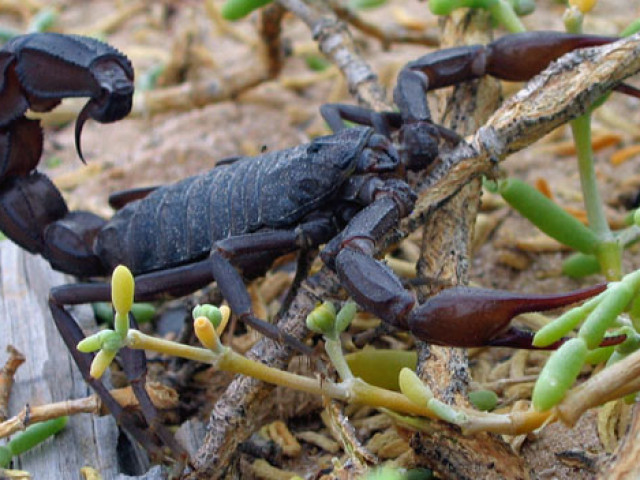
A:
(68, 244)
(474, 317)
(374, 286)
(12, 99)
(20, 147)
(34, 215)
(27, 206)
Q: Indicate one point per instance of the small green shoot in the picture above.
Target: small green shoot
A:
(415, 390)
(484, 400)
(29, 438)
(365, 4)
(237, 9)
(43, 20)
(597, 315)
(502, 11)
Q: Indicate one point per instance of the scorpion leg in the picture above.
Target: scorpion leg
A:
(516, 57)
(72, 335)
(336, 113)
(134, 364)
(117, 200)
(242, 249)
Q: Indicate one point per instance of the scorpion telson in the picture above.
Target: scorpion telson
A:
(345, 190)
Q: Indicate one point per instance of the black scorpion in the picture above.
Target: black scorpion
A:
(345, 190)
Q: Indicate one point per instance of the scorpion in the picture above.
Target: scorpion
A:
(345, 191)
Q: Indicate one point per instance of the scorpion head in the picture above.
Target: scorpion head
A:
(378, 156)
(116, 95)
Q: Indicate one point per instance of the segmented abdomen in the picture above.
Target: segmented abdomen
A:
(178, 224)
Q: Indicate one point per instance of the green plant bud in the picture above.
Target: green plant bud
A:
(101, 362)
(413, 388)
(90, 344)
(381, 367)
(211, 312)
(7, 34)
(365, 4)
(636, 217)
(580, 265)
(615, 301)
(317, 63)
(523, 7)
(43, 20)
(5, 456)
(548, 216)
(634, 312)
(237, 9)
(632, 28)
(485, 400)
(122, 288)
(558, 374)
(445, 7)
(345, 316)
(35, 434)
(149, 79)
(322, 319)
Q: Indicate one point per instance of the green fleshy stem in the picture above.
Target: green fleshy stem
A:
(547, 215)
(501, 11)
(559, 373)
(615, 301)
(565, 323)
(43, 20)
(580, 265)
(30, 437)
(237, 9)
(366, 4)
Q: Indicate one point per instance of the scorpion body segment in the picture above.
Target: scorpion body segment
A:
(346, 191)
(271, 191)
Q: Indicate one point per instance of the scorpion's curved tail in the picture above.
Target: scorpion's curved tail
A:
(36, 72)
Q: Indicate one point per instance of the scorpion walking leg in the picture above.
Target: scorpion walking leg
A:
(117, 200)
(336, 113)
(134, 364)
(231, 284)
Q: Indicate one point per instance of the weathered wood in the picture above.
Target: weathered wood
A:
(49, 374)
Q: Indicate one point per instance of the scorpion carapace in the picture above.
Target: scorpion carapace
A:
(346, 190)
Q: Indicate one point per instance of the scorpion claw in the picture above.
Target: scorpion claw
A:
(80, 121)
(523, 339)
